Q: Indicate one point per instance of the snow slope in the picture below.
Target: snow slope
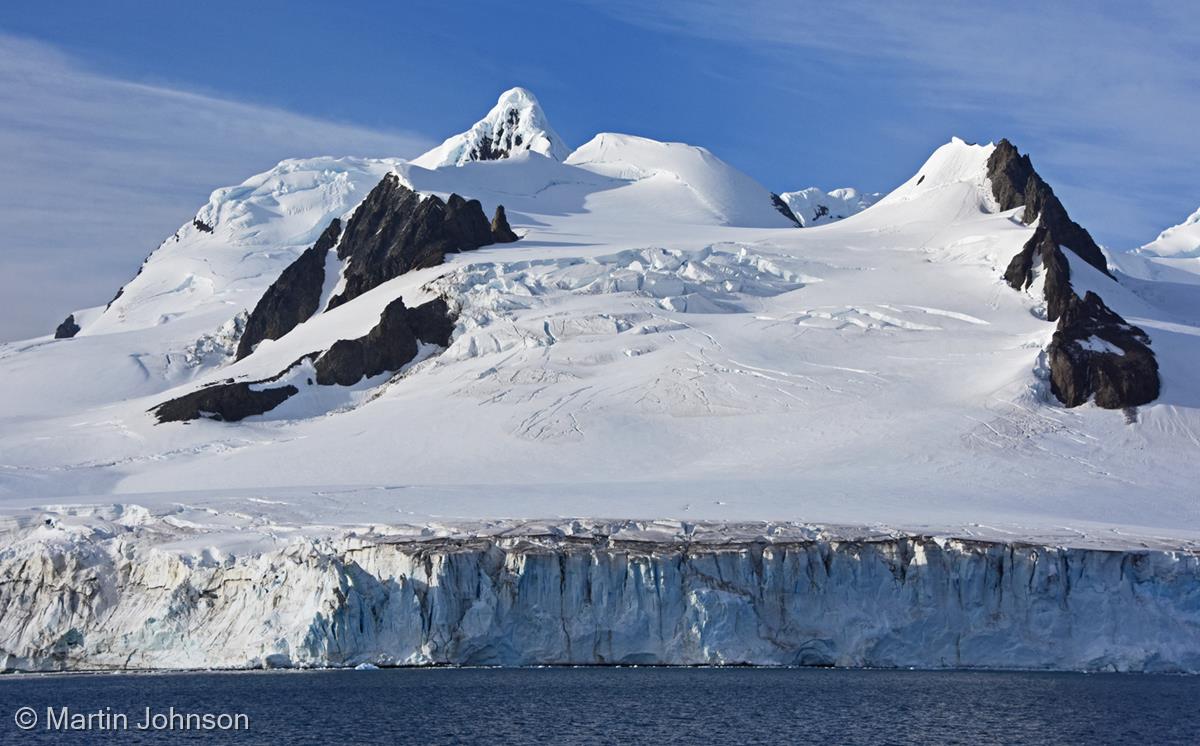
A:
(713, 190)
(239, 242)
(618, 362)
(661, 343)
(815, 207)
(1182, 241)
(1172, 258)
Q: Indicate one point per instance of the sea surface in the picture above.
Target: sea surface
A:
(607, 705)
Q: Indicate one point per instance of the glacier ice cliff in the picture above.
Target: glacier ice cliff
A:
(111, 596)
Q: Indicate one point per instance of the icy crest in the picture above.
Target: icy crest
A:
(515, 124)
(954, 164)
(1178, 242)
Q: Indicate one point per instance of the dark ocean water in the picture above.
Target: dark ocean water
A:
(626, 705)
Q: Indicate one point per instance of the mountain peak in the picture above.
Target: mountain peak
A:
(1178, 242)
(515, 124)
(517, 96)
(813, 206)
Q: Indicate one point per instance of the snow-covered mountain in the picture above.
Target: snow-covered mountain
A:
(503, 343)
(516, 124)
(684, 181)
(812, 206)
(1181, 241)
(1171, 259)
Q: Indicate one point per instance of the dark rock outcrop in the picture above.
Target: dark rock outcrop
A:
(389, 346)
(293, 297)
(1094, 352)
(67, 329)
(778, 203)
(1056, 270)
(201, 225)
(432, 322)
(501, 232)
(1015, 183)
(228, 401)
(395, 230)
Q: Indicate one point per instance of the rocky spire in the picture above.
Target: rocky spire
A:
(1095, 354)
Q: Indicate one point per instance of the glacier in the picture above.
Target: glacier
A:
(669, 427)
(106, 592)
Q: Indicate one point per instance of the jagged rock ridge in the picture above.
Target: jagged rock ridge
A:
(390, 345)
(392, 231)
(784, 210)
(293, 298)
(230, 401)
(1016, 184)
(395, 230)
(1094, 352)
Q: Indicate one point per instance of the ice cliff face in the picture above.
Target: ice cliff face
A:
(118, 597)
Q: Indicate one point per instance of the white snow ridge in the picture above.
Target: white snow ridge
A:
(636, 416)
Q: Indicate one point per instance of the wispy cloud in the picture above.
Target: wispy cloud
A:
(1105, 94)
(98, 170)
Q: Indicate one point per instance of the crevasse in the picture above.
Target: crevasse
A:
(109, 602)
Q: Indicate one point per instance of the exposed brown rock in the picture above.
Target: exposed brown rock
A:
(432, 322)
(501, 232)
(224, 401)
(1094, 352)
(395, 230)
(389, 346)
(1015, 183)
(293, 297)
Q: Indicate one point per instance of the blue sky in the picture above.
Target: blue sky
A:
(140, 109)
